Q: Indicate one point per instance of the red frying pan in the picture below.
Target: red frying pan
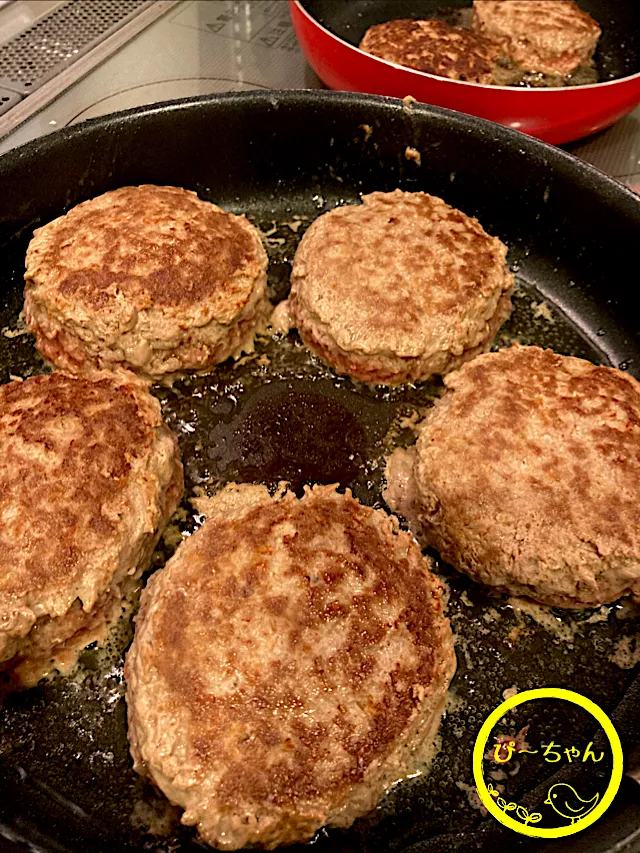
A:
(329, 33)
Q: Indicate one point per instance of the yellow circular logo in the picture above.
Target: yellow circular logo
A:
(564, 801)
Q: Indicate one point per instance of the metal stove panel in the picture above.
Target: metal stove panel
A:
(58, 39)
(8, 99)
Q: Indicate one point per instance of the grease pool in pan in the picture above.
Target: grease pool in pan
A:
(282, 414)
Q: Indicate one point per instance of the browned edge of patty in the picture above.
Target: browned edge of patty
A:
(433, 47)
(295, 793)
(83, 459)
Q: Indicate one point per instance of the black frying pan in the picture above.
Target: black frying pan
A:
(66, 782)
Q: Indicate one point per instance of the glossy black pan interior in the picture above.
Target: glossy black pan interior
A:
(66, 781)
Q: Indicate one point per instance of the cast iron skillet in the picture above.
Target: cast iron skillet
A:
(329, 34)
(66, 782)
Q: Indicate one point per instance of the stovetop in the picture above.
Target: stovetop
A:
(194, 48)
(164, 49)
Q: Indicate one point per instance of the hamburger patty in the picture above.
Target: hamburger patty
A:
(150, 278)
(433, 47)
(546, 36)
(398, 288)
(526, 477)
(89, 475)
(287, 663)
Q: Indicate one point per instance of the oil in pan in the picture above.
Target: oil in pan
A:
(281, 414)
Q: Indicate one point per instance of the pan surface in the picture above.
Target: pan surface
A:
(66, 779)
(329, 34)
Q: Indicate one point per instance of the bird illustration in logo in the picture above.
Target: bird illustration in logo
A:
(566, 801)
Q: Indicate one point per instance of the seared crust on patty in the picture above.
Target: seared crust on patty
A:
(526, 476)
(150, 278)
(287, 662)
(398, 288)
(89, 474)
(433, 47)
(546, 36)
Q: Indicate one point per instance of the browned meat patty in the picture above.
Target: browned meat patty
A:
(89, 475)
(526, 476)
(287, 663)
(398, 288)
(435, 48)
(546, 36)
(150, 278)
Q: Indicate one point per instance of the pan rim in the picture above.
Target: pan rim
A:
(284, 97)
(424, 75)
